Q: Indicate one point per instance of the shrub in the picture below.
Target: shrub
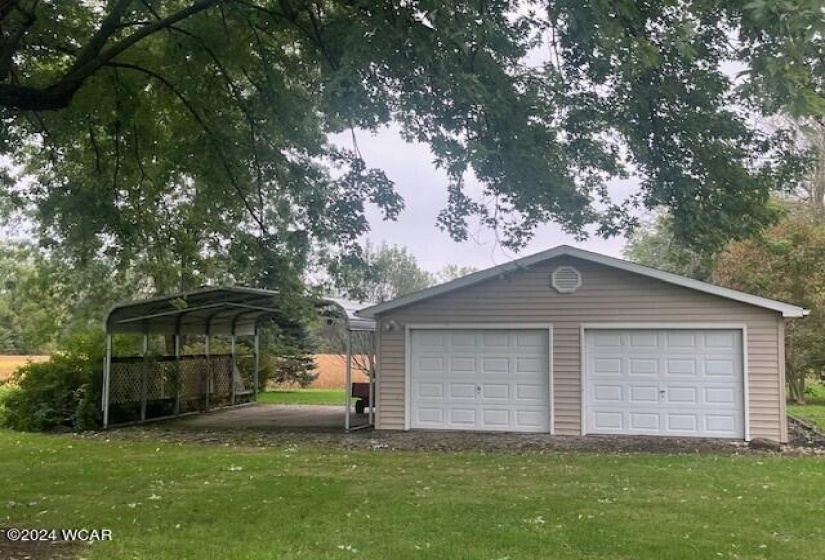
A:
(63, 391)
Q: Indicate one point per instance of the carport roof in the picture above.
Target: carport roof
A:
(216, 310)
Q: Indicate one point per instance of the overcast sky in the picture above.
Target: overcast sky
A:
(424, 189)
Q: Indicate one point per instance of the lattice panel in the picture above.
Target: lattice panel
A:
(185, 381)
(222, 376)
(125, 382)
(193, 371)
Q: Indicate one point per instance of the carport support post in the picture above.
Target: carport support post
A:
(348, 392)
(207, 344)
(257, 361)
(179, 376)
(143, 378)
(232, 369)
(107, 374)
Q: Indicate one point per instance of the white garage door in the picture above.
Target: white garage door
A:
(664, 382)
(487, 380)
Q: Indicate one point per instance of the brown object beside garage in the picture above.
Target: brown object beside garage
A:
(572, 342)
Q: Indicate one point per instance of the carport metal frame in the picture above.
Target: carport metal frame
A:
(237, 309)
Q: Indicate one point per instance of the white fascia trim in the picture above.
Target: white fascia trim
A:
(786, 309)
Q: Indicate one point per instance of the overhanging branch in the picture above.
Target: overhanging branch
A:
(93, 57)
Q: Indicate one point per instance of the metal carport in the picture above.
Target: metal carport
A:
(207, 379)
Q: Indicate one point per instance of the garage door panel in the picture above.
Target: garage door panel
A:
(608, 366)
(720, 340)
(681, 395)
(643, 367)
(661, 382)
(529, 365)
(460, 340)
(720, 368)
(531, 392)
(495, 391)
(605, 340)
(530, 420)
(495, 365)
(462, 417)
(530, 340)
(720, 423)
(644, 421)
(463, 364)
(679, 367)
(607, 393)
(680, 340)
(430, 390)
(494, 341)
(687, 423)
(643, 394)
(495, 418)
(430, 415)
(431, 365)
(642, 341)
(608, 421)
(431, 340)
(490, 380)
(720, 396)
(463, 391)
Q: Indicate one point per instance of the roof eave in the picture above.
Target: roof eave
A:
(787, 310)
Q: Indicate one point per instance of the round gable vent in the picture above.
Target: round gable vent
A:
(566, 279)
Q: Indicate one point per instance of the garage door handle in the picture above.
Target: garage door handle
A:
(478, 389)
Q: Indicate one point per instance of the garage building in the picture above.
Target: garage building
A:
(571, 342)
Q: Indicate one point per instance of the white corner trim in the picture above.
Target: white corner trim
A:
(745, 387)
(742, 327)
(786, 309)
(409, 327)
(407, 369)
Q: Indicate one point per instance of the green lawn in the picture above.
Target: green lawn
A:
(302, 396)
(164, 500)
(813, 410)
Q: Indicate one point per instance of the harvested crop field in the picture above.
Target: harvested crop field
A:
(331, 370)
(10, 363)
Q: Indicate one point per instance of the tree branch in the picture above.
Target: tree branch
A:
(59, 95)
(9, 46)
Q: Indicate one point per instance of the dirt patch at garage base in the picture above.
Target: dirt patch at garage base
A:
(439, 441)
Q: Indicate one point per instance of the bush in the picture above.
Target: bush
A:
(64, 391)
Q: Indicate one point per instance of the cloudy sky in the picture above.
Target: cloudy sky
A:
(424, 190)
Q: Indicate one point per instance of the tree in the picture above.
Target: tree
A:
(44, 301)
(171, 132)
(384, 273)
(453, 271)
(655, 245)
(786, 263)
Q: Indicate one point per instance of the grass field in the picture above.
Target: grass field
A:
(302, 396)
(171, 501)
(813, 410)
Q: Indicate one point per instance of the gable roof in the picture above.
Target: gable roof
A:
(786, 309)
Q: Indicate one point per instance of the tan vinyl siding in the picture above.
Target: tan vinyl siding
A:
(606, 295)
